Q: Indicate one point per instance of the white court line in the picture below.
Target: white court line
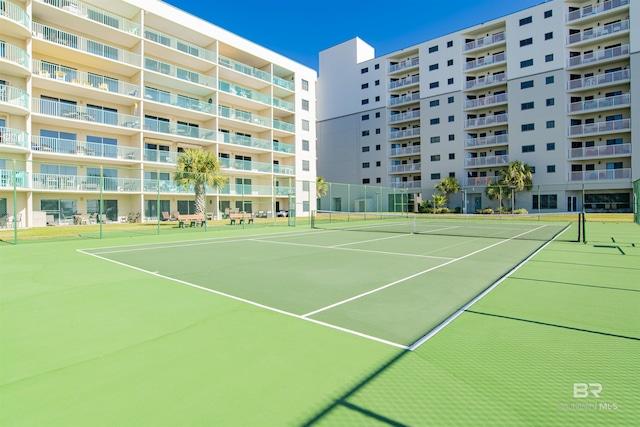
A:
(246, 301)
(367, 241)
(468, 305)
(414, 275)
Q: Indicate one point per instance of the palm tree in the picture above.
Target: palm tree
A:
(438, 201)
(322, 187)
(517, 176)
(497, 190)
(199, 168)
(448, 185)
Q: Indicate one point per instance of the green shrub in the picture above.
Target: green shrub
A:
(520, 211)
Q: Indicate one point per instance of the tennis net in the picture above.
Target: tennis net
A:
(498, 228)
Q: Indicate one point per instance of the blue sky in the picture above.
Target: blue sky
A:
(300, 29)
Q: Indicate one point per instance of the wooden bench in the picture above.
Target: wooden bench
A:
(242, 217)
(193, 220)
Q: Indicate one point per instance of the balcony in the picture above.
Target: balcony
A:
(16, 14)
(484, 82)
(14, 100)
(612, 126)
(487, 141)
(486, 121)
(479, 162)
(405, 133)
(252, 95)
(402, 117)
(598, 56)
(166, 186)
(85, 114)
(7, 180)
(412, 150)
(485, 61)
(601, 151)
(601, 175)
(598, 32)
(406, 168)
(14, 60)
(180, 101)
(13, 138)
(403, 65)
(593, 10)
(160, 156)
(245, 165)
(243, 116)
(404, 99)
(284, 170)
(94, 14)
(406, 184)
(407, 81)
(600, 80)
(176, 44)
(179, 73)
(283, 147)
(485, 42)
(255, 72)
(245, 141)
(187, 131)
(46, 145)
(598, 104)
(478, 181)
(49, 181)
(486, 101)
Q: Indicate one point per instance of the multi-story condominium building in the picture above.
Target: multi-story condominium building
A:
(98, 99)
(555, 86)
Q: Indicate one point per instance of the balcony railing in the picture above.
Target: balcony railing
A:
(601, 151)
(485, 81)
(413, 62)
(179, 129)
(406, 184)
(405, 151)
(500, 160)
(409, 115)
(93, 13)
(594, 9)
(285, 126)
(600, 175)
(166, 186)
(180, 45)
(15, 13)
(598, 56)
(405, 133)
(245, 141)
(405, 98)
(245, 165)
(284, 170)
(73, 147)
(284, 148)
(180, 73)
(244, 92)
(13, 137)
(487, 60)
(598, 32)
(87, 114)
(409, 167)
(486, 101)
(486, 121)
(404, 82)
(83, 44)
(600, 80)
(50, 181)
(487, 141)
(623, 100)
(254, 72)
(485, 41)
(14, 96)
(478, 181)
(243, 116)
(160, 156)
(601, 127)
(7, 179)
(9, 52)
(178, 100)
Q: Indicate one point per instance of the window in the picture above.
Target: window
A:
(549, 80)
(365, 117)
(378, 98)
(548, 58)
(548, 14)
(435, 121)
(450, 43)
(452, 137)
(450, 81)
(449, 62)
(435, 139)
(551, 146)
(527, 127)
(378, 147)
(365, 149)
(550, 102)
(547, 201)
(305, 85)
(305, 145)
(526, 63)
(435, 158)
(551, 124)
(364, 101)
(451, 118)
(377, 83)
(365, 133)
(433, 67)
(364, 70)
(450, 100)
(526, 42)
(378, 180)
(376, 67)
(378, 163)
(366, 180)
(548, 36)
(526, 105)
(433, 49)
(525, 21)
(452, 156)
(378, 115)
(533, 169)
(528, 148)
(305, 124)
(365, 165)
(305, 165)
(364, 85)
(435, 176)
(377, 131)
(551, 168)
(305, 105)
(434, 85)
(526, 85)
(434, 103)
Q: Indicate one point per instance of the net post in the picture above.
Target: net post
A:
(584, 231)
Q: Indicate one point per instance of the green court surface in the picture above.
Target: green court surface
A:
(302, 326)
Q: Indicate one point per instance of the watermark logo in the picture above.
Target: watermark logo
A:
(584, 390)
(589, 391)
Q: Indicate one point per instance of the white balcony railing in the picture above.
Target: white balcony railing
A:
(500, 160)
(478, 181)
(598, 56)
(405, 98)
(487, 141)
(405, 133)
(486, 101)
(485, 81)
(600, 80)
(485, 41)
(406, 184)
(487, 60)
(486, 121)
(603, 31)
(13, 137)
(409, 167)
(404, 82)
(594, 9)
(74, 147)
(600, 151)
(405, 151)
(623, 100)
(600, 127)
(15, 13)
(95, 14)
(600, 175)
(409, 115)
(409, 63)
